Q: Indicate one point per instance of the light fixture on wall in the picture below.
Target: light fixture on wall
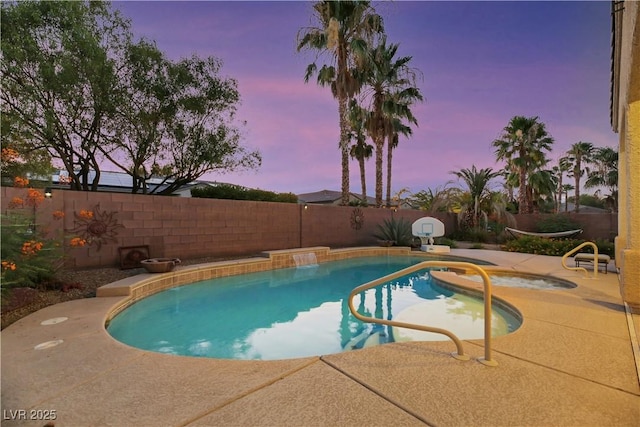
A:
(48, 193)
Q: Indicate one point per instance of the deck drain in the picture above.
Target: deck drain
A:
(48, 344)
(54, 321)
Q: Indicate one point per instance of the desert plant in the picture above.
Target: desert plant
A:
(395, 230)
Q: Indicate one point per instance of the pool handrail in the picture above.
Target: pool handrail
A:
(577, 248)
(487, 360)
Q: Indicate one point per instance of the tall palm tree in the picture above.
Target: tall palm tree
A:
(478, 201)
(522, 145)
(360, 150)
(391, 86)
(605, 174)
(397, 128)
(579, 154)
(566, 188)
(559, 171)
(541, 188)
(342, 31)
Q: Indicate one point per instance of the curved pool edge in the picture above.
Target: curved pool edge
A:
(450, 280)
(87, 368)
(137, 287)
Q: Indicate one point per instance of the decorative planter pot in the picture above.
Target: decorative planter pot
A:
(386, 243)
(160, 265)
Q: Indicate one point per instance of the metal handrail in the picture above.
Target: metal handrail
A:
(595, 259)
(425, 264)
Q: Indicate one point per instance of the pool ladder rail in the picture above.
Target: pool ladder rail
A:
(460, 355)
(576, 249)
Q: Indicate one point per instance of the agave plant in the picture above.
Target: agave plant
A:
(395, 230)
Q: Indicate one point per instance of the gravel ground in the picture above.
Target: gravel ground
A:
(21, 302)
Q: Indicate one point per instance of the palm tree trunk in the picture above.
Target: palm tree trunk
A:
(379, 143)
(576, 174)
(363, 179)
(389, 164)
(343, 111)
(522, 192)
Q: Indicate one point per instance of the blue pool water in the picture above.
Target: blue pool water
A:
(297, 312)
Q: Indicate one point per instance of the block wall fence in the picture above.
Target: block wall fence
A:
(181, 227)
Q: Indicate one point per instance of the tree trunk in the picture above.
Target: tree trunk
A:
(343, 111)
(389, 164)
(576, 174)
(522, 192)
(363, 179)
(379, 148)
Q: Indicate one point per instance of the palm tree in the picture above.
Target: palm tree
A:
(360, 150)
(522, 145)
(541, 188)
(478, 200)
(605, 174)
(563, 167)
(342, 31)
(438, 200)
(579, 154)
(391, 85)
(397, 128)
(566, 188)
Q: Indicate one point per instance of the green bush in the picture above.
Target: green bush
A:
(542, 246)
(237, 192)
(445, 241)
(397, 231)
(29, 259)
(556, 223)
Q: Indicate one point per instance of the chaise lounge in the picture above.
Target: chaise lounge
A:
(603, 260)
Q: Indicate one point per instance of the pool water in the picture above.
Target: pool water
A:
(523, 281)
(296, 312)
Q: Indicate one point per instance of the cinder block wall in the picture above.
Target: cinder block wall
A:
(179, 227)
(594, 226)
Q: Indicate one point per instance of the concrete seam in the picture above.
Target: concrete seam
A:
(378, 393)
(248, 392)
(557, 370)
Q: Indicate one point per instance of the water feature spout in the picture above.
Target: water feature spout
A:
(305, 260)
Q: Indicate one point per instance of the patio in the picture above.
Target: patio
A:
(574, 361)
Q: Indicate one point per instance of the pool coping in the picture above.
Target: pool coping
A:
(571, 362)
(137, 287)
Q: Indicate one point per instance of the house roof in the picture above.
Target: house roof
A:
(330, 196)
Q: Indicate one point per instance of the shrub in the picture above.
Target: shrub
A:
(542, 246)
(556, 223)
(397, 231)
(446, 242)
(237, 192)
(29, 258)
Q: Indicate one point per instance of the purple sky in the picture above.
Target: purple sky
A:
(482, 62)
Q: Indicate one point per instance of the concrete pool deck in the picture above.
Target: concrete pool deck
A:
(574, 361)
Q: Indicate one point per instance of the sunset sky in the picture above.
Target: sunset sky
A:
(482, 63)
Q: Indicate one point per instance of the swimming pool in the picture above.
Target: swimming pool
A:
(523, 280)
(294, 312)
